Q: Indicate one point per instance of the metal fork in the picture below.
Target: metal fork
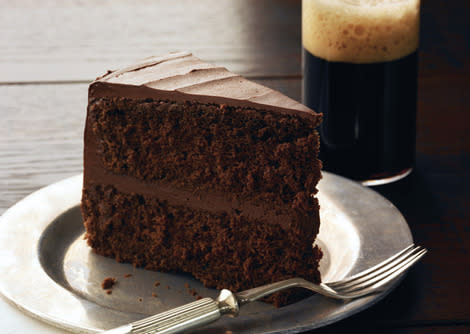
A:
(207, 310)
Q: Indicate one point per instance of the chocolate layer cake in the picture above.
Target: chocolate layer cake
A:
(191, 168)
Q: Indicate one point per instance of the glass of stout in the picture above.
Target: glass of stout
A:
(360, 70)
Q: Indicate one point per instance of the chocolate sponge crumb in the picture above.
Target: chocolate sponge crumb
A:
(108, 283)
(192, 292)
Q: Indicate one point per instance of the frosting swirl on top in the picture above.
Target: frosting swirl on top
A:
(181, 76)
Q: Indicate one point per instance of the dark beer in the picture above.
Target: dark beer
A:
(369, 110)
(360, 70)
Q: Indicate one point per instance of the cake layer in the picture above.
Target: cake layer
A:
(222, 249)
(251, 153)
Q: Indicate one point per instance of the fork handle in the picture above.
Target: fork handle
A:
(192, 315)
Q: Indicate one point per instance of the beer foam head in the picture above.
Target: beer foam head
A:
(360, 31)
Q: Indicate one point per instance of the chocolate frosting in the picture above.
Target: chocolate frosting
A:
(183, 77)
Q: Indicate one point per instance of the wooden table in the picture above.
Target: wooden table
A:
(51, 50)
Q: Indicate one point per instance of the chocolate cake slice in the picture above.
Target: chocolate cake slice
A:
(191, 168)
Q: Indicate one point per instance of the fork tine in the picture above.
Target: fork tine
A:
(377, 281)
(377, 269)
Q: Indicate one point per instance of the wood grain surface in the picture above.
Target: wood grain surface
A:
(51, 50)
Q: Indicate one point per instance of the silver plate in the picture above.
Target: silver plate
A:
(48, 271)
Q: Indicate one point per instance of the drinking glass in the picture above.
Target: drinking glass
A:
(360, 71)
